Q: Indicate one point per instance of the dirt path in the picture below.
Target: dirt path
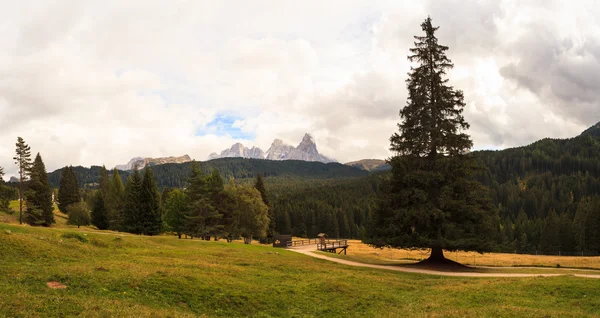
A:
(308, 250)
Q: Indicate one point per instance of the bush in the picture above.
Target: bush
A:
(79, 214)
(75, 235)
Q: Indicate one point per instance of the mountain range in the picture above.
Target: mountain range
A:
(140, 163)
(305, 151)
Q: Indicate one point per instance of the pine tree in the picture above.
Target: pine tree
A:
(114, 202)
(104, 182)
(68, 191)
(432, 200)
(132, 204)
(550, 239)
(260, 186)
(4, 201)
(40, 209)
(150, 218)
(203, 218)
(176, 203)
(98, 216)
(23, 161)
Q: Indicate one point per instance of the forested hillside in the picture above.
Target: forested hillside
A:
(174, 175)
(546, 194)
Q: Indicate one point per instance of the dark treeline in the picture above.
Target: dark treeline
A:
(175, 175)
(338, 207)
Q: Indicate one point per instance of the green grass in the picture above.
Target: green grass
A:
(112, 275)
(14, 205)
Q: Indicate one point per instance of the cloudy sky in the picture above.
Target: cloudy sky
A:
(99, 82)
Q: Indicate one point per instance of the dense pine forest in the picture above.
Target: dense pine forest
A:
(175, 175)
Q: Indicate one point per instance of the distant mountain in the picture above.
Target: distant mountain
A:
(14, 180)
(139, 162)
(239, 151)
(593, 131)
(370, 164)
(305, 151)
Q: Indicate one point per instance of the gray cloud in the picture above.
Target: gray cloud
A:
(89, 82)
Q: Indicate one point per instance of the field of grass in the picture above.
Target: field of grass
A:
(59, 217)
(113, 275)
(367, 254)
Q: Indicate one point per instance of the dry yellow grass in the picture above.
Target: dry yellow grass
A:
(389, 256)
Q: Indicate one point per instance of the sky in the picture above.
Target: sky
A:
(99, 82)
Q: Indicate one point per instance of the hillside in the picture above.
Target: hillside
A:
(107, 274)
(175, 175)
(369, 164)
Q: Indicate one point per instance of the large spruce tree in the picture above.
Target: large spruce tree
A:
(432, 200)
(68, 191)
(176, 203)
(150, 217)
(39, 196)
(99, 216)
(114, 201)
(23, 161)
(132, 204)
(202, 219)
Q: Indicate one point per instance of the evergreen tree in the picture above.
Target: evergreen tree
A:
(260, 186)
(579, 223)
(99, 216)
(23, 161)
(39, 196)
(432, 200)
(114, 202)
(132, 204)
(104, 182)
(176, 203)
(592, 226)
(550, 240)
(4, 200)
(150, 217)
(203, 218)
(287, 224)
(68, 192)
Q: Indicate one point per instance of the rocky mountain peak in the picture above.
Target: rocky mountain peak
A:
(279, 150)
(140, 163)
(308, 145)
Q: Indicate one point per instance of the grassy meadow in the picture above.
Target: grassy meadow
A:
(112, 274)
(363, 253)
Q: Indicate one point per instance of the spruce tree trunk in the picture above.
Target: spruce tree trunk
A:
(21, 197)
(437, 255)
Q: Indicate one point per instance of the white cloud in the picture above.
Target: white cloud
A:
(98, 82)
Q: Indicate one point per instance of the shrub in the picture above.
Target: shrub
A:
(79, 214)
(75, 235)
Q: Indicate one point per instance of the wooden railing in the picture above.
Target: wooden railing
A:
(302, 242)
(332, 245)
(308, 242)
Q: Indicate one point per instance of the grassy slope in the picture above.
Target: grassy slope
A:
(113, 275)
